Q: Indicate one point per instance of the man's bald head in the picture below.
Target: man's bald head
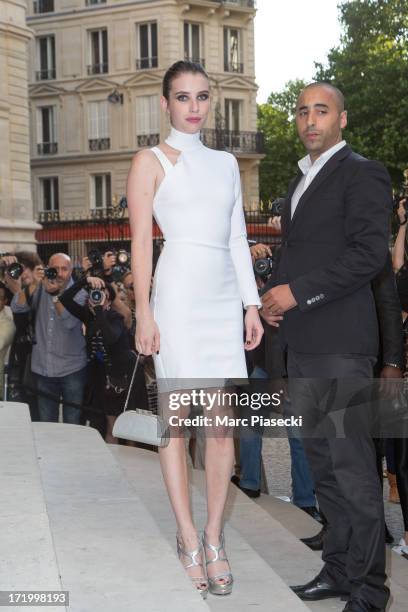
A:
(336, 93)
(59, 257)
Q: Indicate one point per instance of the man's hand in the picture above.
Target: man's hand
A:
(278, 300)
(388, 387)
(270, 318)
(259, 251)
(14, 285)
(401, 211)
(95, 283)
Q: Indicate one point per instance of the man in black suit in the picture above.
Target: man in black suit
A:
(334, 243)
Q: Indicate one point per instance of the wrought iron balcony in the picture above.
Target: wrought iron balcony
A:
(196, 60)
(45, 75)
(47, 148)
(99, 144)
(43, 6)
(148, 140)
(98, 68)
(233, 67)
(146, 62)
(236, 142)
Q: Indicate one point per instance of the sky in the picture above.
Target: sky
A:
(290, 35)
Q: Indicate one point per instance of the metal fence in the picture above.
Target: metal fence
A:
(109, 229)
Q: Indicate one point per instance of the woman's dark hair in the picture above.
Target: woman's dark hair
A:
(29, 259)
(178, 68)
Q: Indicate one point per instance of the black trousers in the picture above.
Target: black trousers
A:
(344, 469)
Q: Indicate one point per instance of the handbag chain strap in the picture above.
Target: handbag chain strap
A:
(131, 383)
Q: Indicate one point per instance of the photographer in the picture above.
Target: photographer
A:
(110, 266)
(7, 330)
(58, 357)
(19, 272)
(110, 359)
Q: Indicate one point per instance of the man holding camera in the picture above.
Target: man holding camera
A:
(59, 353)
(334, 243)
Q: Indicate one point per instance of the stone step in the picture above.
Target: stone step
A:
(300, 524)
(27, 559)
(111, 554)
(257, 584)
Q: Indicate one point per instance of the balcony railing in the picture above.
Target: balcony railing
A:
(148, 140)
(44, 6)
(238, 142)
(196, 60)
(99, 144)
(98, 68)
(47, 148)
(146, 62)
(234, 67)
(45, 75)
(48, 216)
(94, 2)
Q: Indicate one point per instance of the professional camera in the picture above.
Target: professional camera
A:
(15, 270)
(277, 207)
(96, 296)
(263, 268)
(96, 259)
(122, 265)
(51, 273)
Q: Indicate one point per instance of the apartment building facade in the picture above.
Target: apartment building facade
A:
(96, 68)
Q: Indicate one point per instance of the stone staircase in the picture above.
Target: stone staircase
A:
(93, 519)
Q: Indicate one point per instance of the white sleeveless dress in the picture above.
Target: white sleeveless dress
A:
(204, 273)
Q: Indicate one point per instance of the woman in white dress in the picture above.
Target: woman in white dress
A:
(193, 324)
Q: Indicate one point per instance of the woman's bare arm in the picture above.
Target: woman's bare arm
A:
(141, 186)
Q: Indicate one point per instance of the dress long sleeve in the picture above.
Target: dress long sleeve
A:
(240, 253)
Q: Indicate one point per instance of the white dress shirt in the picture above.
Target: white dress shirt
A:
(310, 170)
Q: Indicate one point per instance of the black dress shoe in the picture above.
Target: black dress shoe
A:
(317, 589)
(313, 512)
(253, 493)
(360, 605)
(316, 541)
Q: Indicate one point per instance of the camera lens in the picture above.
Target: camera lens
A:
(15, 270)
(96, 296)
(123, 257)
(51, 273)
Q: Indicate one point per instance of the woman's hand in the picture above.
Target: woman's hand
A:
(253, 328)
(147, 337)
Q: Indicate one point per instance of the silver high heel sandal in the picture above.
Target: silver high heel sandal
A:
(218, 588)
(198, 581)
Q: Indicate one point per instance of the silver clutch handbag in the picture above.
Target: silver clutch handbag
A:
(140, 425)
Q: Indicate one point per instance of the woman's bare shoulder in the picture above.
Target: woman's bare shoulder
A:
(144, 160)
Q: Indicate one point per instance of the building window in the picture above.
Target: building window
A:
(98, 52)
(93, 2)
(147, 46)
(98, 126)
(147, 121)
(44, 6)
(233, 115)
(192, 43)
(47, 130)
(233, 50)
(101, 193)
(49, 200)
(46, 58)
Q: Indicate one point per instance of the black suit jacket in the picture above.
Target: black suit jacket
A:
(333, 247)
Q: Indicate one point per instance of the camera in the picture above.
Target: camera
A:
(122, 265)
(96, 259)
(263, 268)
(15, 270)
(277, 207)
(96, 296)
(51, 273)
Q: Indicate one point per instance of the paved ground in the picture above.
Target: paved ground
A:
(277, 468)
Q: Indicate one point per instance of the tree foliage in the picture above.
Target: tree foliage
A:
(370, 66)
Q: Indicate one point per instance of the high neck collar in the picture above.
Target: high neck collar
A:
(182, 141)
